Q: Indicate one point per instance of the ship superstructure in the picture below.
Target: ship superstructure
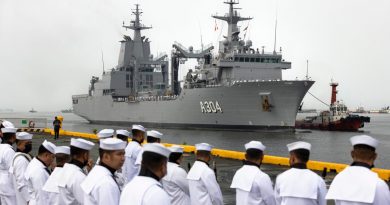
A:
(239, 87)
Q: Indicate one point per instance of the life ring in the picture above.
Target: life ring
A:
(31, 124)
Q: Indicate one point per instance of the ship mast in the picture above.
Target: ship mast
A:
(232, 18)
(137, 27)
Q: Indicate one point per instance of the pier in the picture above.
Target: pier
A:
(324, 167)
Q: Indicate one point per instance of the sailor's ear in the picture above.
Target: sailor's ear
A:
(375, 155)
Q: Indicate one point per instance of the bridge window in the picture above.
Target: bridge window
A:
(246, 59)
(257, 60)
(236, 59)
(241, 59)
(252, 60)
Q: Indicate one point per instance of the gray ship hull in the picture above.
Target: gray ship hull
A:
(240, 107)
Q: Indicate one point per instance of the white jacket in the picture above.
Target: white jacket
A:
(129, 168)
(6, 182)
(357, 185)
(144, 191)
(18, 169)
(253, 187)
(203, 185)
(100, 188)
(51, 187)
(300, 186)
(69, 185)
(175, 183)
(36, 176)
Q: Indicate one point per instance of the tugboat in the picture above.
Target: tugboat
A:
(337, 118)
(32, 110)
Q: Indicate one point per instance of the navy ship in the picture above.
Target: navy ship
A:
(237, 87)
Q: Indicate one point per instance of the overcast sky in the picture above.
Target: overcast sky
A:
(49, 49)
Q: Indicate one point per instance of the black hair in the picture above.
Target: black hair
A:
(174, 156)
(203, 153)
(122, 137)
(61, 159)
(152, 160)
(302, 154)
(253, 154)
(135, 132)
(77, 152)
(151, 139)
(103, 151)
(42, 149)
(364, 152)
(365, 147)
(7, 136)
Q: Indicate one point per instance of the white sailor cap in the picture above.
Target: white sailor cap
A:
(158, 149)
(155, 134)
(176, 149)
(138, 127)
(123, 132)
(203, 146)
(6, 123)
(105, 133)
(364, 140)
(81, 143)
(298, 145)
(112, 144)
(24, 136)
(49, 146)
(62, 150)
(9, 130)
(255, 145)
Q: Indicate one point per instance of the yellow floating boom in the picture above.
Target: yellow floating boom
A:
(229, 154)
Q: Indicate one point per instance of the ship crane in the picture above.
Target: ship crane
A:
(181, 54)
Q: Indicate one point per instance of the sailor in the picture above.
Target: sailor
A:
(104, 134)
(51, 185)
(130, 169)
(146, 188)
(73, 172)
(252, 185)
(99, 186)
(357, 184)
(119, 177)
(7, 192)
(175, 183)
(19, 165)
(299, 185)
(152, 136)
(123, 135)
(38, 172)
(203, 186)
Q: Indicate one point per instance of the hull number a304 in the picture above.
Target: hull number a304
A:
(210, 107)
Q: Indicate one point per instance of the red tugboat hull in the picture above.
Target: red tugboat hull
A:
(351, 123)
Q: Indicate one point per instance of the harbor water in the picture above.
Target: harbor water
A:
(326, 145)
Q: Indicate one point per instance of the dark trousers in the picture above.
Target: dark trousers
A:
(56, 133)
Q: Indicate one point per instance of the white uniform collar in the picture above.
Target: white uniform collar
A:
(244, 177)
(197, 170)
(354, 183)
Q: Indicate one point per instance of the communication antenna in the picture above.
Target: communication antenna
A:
(307, 69)
(276, 26)
(103, 62)
(201, 37)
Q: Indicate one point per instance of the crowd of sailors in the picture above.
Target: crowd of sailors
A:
(150, 174)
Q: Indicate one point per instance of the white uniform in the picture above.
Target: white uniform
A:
(18, 169)
(300, 186)
(51, 187)
(7, 192)
(175, 183)
(144, 191)
(357, 185)
(130, 169)
(203, 186)
(69, 186)
(252, 186)
(100, 188)
(36, 176)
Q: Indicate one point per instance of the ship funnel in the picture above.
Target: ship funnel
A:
(334, 93)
